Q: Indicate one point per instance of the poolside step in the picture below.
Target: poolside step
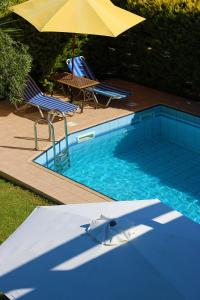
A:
(62, 160)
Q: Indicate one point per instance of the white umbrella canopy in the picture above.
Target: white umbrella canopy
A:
(51, 256)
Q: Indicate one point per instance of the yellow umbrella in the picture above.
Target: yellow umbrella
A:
(98, 17)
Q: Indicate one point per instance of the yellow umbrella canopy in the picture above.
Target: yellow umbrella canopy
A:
(98, 17)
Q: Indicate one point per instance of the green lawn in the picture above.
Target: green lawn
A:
(15, 205)
(2, 297)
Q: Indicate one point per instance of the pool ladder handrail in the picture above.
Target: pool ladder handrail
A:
(59, 162)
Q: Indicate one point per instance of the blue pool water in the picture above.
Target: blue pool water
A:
(151, 154)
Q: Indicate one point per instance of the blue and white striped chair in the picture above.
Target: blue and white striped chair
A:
(81, 69)
(33, 96)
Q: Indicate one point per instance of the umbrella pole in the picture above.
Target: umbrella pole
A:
(73, 52)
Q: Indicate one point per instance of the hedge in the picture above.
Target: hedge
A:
(15, 64)
(162, 52)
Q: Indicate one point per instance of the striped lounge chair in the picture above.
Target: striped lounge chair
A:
(81, 69)
(33, 96)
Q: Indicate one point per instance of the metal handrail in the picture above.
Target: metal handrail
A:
(52, 133)
(66, 131)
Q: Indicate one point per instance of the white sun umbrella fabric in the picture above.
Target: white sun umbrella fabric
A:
(51, 255)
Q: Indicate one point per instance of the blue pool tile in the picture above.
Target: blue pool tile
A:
(127, 120)
(113, 125)
(41, 159)
(150, 154)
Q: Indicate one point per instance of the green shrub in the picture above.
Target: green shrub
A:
(4, 5)
(162, 52)
(49, 51)
(15, 64)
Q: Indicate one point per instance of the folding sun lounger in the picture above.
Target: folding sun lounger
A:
(81, 69)
(33, 96)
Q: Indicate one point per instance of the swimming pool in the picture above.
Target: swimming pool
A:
(154, 153)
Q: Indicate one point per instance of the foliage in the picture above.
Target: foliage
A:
(162, 52)
(3, 297)
(5, 4)
(49, 51)
(7, 24)
(16, 204)
(15, 64)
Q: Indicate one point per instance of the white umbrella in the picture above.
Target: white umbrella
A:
(51, 256)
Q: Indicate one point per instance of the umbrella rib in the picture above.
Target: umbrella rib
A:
(43, 28)
(101, 19)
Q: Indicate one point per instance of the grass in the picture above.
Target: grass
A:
(15, 206)
(2, 297)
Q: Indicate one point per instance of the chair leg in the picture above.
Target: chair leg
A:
(50, 118)
(96, 102)
(64, 91)
(41, 113)
(23, 108)
(84, 98)
(109, 100)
